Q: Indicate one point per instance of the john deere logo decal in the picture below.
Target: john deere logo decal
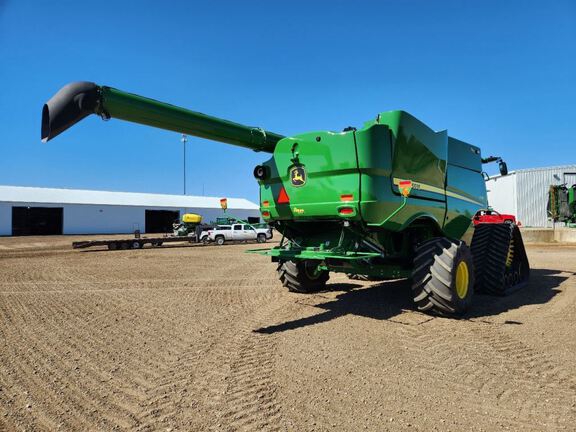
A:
(298, 176)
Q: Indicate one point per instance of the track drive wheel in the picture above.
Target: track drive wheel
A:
(302, 276)
(443, 276)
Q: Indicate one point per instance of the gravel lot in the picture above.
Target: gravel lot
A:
(205, 338)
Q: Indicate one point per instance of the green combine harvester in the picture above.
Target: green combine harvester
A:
(393, 199)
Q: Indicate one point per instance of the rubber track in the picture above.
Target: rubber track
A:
(490, 246)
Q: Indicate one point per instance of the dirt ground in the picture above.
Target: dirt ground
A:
(205, 339)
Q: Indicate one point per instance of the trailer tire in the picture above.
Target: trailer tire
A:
(302, 276)
(112, 246)
(261, 238)
(124, 245)
(137, 245)
(220, 240)
(443, 276)
(157, 244)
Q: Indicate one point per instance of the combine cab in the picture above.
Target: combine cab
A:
(392, 199)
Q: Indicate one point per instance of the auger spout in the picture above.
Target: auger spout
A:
(78, 100)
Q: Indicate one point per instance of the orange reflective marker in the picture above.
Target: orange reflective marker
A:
(405, 187)
(283, 197)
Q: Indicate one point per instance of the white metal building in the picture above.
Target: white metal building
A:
(38, 211)
(524, 193)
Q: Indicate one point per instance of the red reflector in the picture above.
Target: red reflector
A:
(265, 203)
(283, 196)
(266, 214)
(346, 210)
(346, 197)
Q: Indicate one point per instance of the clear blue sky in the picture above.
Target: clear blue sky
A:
(498, 74)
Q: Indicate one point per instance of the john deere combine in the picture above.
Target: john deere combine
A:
(392, 199)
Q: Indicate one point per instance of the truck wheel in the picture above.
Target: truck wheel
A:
(205, 240)
(443, 276)
(302, 276)
(261, 238)
(220, 240)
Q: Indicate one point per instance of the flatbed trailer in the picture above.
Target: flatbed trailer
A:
(132, 243)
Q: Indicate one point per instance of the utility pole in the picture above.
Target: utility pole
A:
(184, 140)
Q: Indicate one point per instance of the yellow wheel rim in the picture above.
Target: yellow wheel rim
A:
(462, 280)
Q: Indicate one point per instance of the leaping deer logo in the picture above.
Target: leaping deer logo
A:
(298, 176)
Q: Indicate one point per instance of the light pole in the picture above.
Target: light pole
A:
(184, 140)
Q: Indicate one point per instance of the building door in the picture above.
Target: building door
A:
(160, 221)
(37, 221)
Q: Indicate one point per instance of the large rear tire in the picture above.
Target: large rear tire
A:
(302, 276)
(443, 276)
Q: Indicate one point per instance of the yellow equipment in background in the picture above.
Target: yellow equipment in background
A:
(191, 218)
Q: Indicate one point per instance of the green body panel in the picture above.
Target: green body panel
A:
(336, 197)
(367, 165)
(329, 174)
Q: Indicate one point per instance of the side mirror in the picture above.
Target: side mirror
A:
(503, 168)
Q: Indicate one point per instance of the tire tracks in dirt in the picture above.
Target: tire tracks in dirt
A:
(492, 371)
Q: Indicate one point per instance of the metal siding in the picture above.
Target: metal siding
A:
(90, 197)
(501, 193)
(107, 219)
(570, 178)
(90, 219)
(5, 219)
(94, 219)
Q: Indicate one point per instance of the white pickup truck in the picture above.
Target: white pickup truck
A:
(237, 232)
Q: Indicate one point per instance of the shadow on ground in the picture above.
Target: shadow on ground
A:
(385, 300)
(541, 288)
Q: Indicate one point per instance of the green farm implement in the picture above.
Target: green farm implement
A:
(392, 199)
(562, 204)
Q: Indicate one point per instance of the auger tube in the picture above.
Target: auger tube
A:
(78, 100)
